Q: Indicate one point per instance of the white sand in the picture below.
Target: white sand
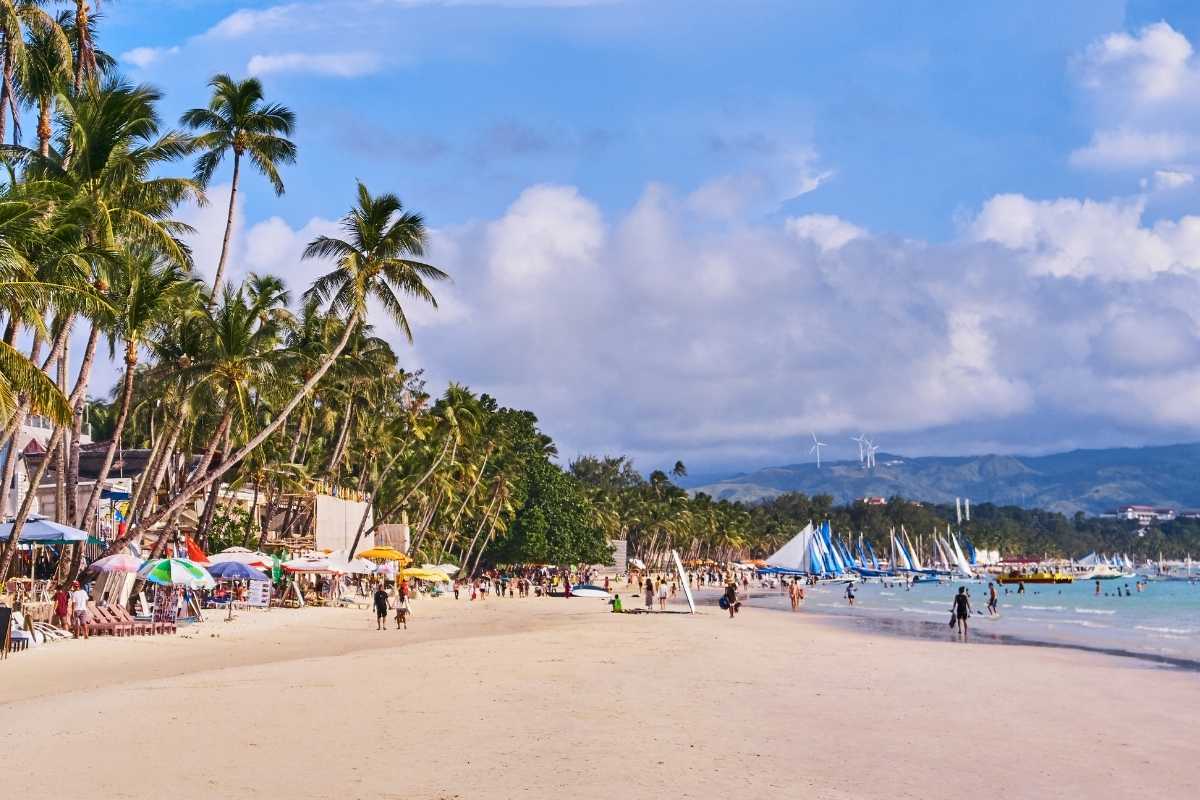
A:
(552, 698)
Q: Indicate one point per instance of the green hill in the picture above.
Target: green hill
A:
(1092, 481)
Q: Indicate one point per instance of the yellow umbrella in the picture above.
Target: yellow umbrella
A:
(435, 575)
(384, 554)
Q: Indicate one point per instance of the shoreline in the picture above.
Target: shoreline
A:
(534, 697)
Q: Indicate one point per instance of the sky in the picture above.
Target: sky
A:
(706, 230)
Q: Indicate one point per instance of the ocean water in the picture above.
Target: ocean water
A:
(1162, 621)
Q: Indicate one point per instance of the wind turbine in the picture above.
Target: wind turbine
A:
(862, 437)
(816, 448)
(871, 448)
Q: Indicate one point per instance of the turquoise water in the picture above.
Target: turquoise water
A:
(1162, 621)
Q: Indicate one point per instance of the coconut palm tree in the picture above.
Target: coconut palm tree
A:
(372, 263)
(47, 73)
(238, 121)
(145, 294)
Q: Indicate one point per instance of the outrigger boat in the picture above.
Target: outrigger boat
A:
(1040, 576)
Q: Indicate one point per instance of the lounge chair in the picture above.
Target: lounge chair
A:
(98, 623)
(121, 625)
(141, 627)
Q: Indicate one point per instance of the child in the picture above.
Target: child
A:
(402, 611)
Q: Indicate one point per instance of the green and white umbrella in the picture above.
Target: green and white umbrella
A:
(177, 572)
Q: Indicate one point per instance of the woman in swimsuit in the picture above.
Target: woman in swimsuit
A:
(962, 610)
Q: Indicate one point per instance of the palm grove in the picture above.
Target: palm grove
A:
(229, 385)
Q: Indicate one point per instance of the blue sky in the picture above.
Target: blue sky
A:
(700, 230)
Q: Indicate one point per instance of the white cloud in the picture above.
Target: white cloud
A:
(827, 231)
(1166, 179)
(648, 332)
(143, 57)
(1123, 149)
(351, 64)
(1144, 91)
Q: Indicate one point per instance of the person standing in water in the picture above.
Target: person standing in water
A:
(962, 610)
(794, 594)
(1097, 587)
(850, 593)
(993, 600)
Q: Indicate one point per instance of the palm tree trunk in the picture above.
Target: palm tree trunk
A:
(237, 164)
(79, 393)
(85, 59)
(10, 547)
(483, 521)
(482, 547)
(400, 503)
(200, 483)
(458, 516)
(343, 436)
(44, 130)
(110, 453)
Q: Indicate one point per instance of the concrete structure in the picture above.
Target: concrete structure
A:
(1143, 514)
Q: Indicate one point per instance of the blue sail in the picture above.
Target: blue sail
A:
(847, 556)
(874, 560)
(834, 558)
(970, 550)
(862, 554)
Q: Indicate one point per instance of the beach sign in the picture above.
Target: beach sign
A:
(683, 581)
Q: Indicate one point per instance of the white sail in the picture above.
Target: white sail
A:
(794, 554)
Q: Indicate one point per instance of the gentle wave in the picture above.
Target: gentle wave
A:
(1043, 608)
(1095, 611)
(923, 611)
(1181, 631)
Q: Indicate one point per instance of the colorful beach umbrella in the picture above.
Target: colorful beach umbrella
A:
(119, 562)
(177, 572)
(242, 556)
(420, 573)
(236, 571)
(384, 554)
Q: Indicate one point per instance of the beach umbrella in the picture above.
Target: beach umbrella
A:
(39, 530)
(321, 564)
(177, 572)
(235, 571)
(420, 573)
(119, 562)
(449, 569)
(244, 556)
(637, 562)
(384, 554)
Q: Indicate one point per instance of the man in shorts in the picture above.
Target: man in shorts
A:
(79, 611)
(381, 607)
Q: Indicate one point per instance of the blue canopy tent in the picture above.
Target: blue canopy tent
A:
(39, 530)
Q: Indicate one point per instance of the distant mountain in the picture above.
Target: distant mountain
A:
(1092, 481)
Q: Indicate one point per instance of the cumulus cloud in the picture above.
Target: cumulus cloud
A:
(648, 332)
(350, 64)
(1144, 89)
(1167, 179)
(826, 231)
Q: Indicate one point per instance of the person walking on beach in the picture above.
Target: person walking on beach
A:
(730, 598)
(993, 600)
(381, 607)
(794, 594)
(79, 611)
(662, 596)
(850, 593)
(649, 594)
(62, 607)
(962, 610)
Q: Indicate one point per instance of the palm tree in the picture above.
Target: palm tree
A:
(371, 264)
(46, 73)
(145, 294)
(16, 16)
(238, 120)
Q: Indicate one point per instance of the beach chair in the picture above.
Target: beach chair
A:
(140, 627)
(99, 624)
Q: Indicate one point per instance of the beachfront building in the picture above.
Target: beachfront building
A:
(1142, 514)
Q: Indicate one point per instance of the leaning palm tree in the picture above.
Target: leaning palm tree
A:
(372, 263)
(238, 121)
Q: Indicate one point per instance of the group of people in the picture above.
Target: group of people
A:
(71, 609)
(396, 598)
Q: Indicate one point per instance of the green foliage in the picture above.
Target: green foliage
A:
(554, 524)
(232, 527)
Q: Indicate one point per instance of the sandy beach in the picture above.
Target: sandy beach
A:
(546, 698)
